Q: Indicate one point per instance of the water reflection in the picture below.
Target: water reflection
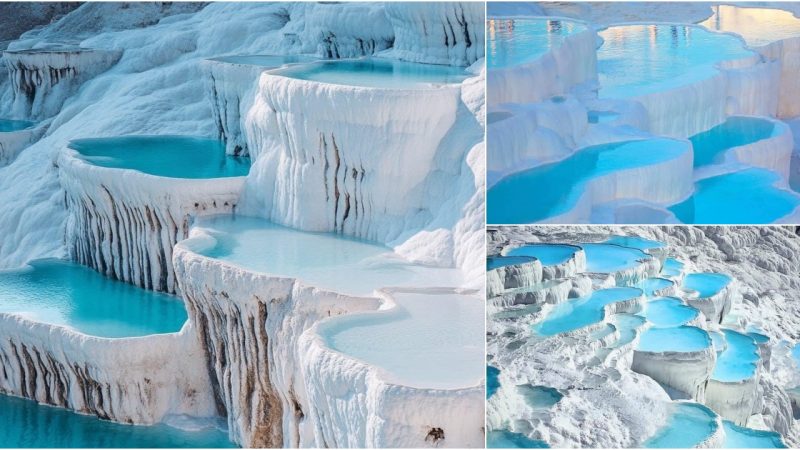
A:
(758, 26)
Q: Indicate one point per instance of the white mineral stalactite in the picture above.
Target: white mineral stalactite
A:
(717, 306)
(787, 52)
(13, 142)
(733, 400)
(555, 291)
(343, 30)
(513, 276)
(687, 372)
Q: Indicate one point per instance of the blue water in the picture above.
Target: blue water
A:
(642, 59)
(492, 381)
(165, 156)
(706, 284)
(547, 254)
(493, 262)
(671, 268)
(651, 285)
(497, 116)
(511, 42)
(741, 437)
(607, 258)
(26, 424)
(63, 293)
(542, 192)
(268, 61)
(582, 311)
(634, 242)
(718, 339)
(14, 125)
(758, 26)
(375, 73)
(739, 360)
(507, 439)
(602, 116)
(744, 197)
(627, 324)
(669, 312)
(710, 146)
(758, 337)
(539, 397)
(678, 339)
(689, 425)
(796, 354)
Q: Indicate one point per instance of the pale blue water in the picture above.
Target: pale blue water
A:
(758, 26)
(582, 311)
(492, 381)
(375, 73)
(689, 425)
(608, 258)
(739, 360)
(634, 242)
(493, 262)
(744, 197)
(627, 324)
(710, 146)
(539, 397)
(671, 268)
(67, 294)
(758, 337)
(741, 437)
(651, 285)
(26, 424)
(165, 156)
(547, 254)
(796, 354)
(325, 260)
(507, 439)
(267, 61)
(706, 284)
(678, 339)
(602, 116)
(642, 59)
(516, 312)
(511, 42)
(7, 125)
(669, 312)
(536, 194)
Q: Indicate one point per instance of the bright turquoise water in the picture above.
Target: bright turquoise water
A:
(739, 360)
(539, 397)
(27, 424)
(710, 146)
(678, 339)
(758, 26)
(164, 156)
(493, 262)
(671, 268)
(14, 125)
(63, 293)
(536, 194)
(634, 242)
(607, 258)
(492, 381)
(507, 439)
(547, 254)
(642, 59)
(511, 42)
(627, 324)
(375, 73)
(651, 285)
(744, 197)
(582, 311)
(267, 61)
(741, 437)
(706, 284)
(758, 337)
(325, 260)
(669, 312)
(689, 425)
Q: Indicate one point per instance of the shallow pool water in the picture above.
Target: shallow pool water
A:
(706, 284)
(375, 73)
(739, 360)
(511, 42)
(582, 311)
(669, 312)
(494, 262)
(27, 424)
(547, 254)
(516, 312)
(744, 197)
(602, 116)
(266, 61)
(758, 26)
(710, 146)
(7, 125)
(67, 294)
(677, 339)
(427, 341)
(164, 156)
(608, 258)
(688, 425)
(492, 381)
(627, 324)
(741, 437)
(508, 439)
(539, 397)
(634, 242)
(520, 198)
(642, 59)
(671, 268)
(651, 285)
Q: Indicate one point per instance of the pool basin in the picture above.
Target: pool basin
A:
(739, 360)
(706, 284)
(672, 268)
(635, 242)
(9, 126)
(681, 339)
(609, 258)
(583, 311)
(690, 424)
(757, 26)
(667, 312)
(495, 262)
(655, 286)
(515, 41)
(492, 381)
(710, 146)
(741, 437)
(547, 254)
(508, 439)
(265, 61)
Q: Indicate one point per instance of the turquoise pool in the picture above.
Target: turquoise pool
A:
(27, 424)
(375, 73)
(164, 156)
(634, 242)
(642, 59)
(582, 311)
(67, 294)
(492, 381)
(627, 324)
(508, 439)
(672, 268)
(520, 197)
(494, 262)
(651, 285)
(547, 254)
(758, 26)
(539, 397)
(741, 437)
(267, 61)
(739, 360)
(512, 42)
(677, 339)
(689, 425)
(710, 146)
(706, 284)
(7, 125)
(667, 312)
(608, 258)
